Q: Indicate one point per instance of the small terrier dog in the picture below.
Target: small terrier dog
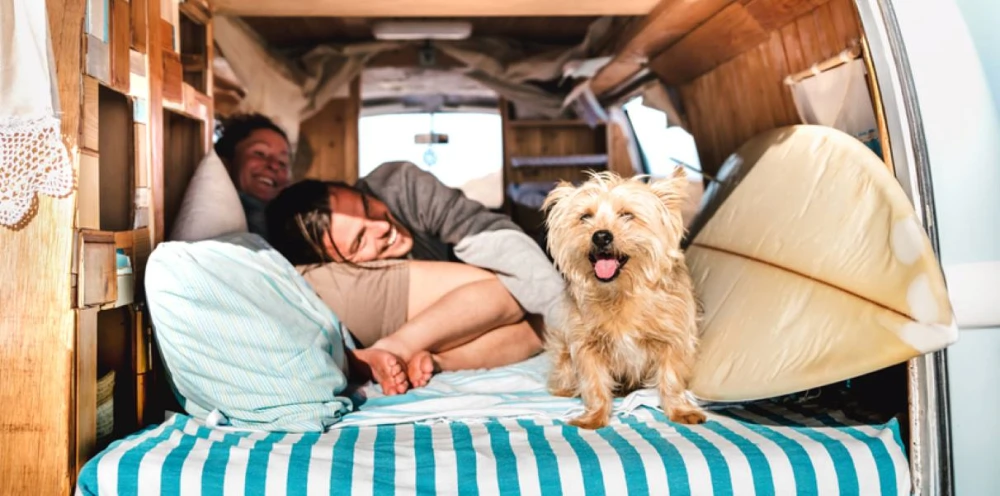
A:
(632, 315)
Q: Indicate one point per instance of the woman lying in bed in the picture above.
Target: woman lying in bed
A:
(382, 254)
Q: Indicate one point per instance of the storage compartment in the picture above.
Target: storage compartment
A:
(115, 355)
(194, 53)
(116, 134)
(183, 150)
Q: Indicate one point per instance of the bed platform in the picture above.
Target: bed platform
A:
(500, 432)
(757, 449)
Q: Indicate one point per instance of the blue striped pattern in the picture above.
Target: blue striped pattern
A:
(757, 450)
(244, 336)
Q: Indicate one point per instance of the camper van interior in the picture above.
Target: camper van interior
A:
(824, 307)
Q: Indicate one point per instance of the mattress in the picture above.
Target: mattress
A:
(762, 449)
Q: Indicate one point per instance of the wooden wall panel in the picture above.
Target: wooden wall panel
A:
(139, 30)
(332, 136)
(733, 31)
(37, 327)
(121, 43)
(747, 95)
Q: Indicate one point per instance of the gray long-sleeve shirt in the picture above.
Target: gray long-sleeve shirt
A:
(447, 225)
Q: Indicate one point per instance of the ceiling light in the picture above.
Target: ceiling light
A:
(422, 30)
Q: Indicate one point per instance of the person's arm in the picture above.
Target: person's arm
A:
(482, 238)
(421, 201)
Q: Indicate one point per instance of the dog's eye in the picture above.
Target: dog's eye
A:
(625, 215)
(585, 217)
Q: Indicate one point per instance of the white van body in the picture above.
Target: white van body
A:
(945, 132)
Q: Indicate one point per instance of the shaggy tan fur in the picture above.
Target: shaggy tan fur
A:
(637, 327)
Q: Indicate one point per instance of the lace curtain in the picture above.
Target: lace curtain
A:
(33, 158)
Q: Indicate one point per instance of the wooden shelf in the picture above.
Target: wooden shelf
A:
(193, 104)
(578, 161)
(549, 123)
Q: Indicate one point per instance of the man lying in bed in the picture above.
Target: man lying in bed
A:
(382, 256)
(377, 254)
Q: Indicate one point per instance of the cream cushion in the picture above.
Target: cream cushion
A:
(814, 269)
(211, 206)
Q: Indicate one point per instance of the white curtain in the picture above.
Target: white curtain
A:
(33, 157)
(290, 88)
(839, 98)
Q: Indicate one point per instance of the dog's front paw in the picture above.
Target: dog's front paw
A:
(590, 420)
(687, 415)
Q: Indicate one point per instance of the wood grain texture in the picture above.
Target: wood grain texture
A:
(37, 324)
(154, 127)
(744, 25)
(89, 191)
(90, 133)
(431, 8)
(665, 24)
(332, 135)
(747, 95)
(120, 45)
(139, 25)
(726, 35)
(86, 385)
(772, 14)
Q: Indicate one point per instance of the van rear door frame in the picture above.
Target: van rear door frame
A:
(930, 450)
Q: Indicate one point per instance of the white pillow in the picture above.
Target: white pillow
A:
(211, 205)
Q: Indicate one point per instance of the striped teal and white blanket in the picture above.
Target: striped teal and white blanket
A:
(495, 433)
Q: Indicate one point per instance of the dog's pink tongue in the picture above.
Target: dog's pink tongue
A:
(606, 267)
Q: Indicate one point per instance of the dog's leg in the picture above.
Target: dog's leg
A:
(595, 388)
(674, 369)
(562, 378)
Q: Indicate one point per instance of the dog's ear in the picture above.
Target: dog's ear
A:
(562, 190)
(673, 190)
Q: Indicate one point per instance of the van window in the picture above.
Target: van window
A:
(663, 148)
(472, 160)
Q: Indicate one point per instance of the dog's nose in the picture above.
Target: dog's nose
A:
(602, 239)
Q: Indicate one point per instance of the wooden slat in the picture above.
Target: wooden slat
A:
(37, 327)
(332, 135)
(98, 59)
(121, 43)
(155, 126)
(139, 25)
(97, 282)
(845, 20)
(431, 8)
(90, 132)
(166, 33)
(141, 156)
(173, 77)
(726, 35)
(665, 24)
(98, 19)
(86, 385)
(773, 14)
(89, 191)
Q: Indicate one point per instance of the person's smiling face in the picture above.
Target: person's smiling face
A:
(262, 164)
(362, 229)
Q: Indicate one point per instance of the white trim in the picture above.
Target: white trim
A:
(974, 290)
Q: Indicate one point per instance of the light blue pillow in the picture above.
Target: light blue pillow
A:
(246, 341)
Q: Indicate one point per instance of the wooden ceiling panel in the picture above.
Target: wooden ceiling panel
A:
(286, 32)
(667, 23)
(436, 8)
(736, 29)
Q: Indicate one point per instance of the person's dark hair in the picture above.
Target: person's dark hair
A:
(236, 129)
(298, 221)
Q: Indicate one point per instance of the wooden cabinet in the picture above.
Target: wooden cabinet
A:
(71, 311)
